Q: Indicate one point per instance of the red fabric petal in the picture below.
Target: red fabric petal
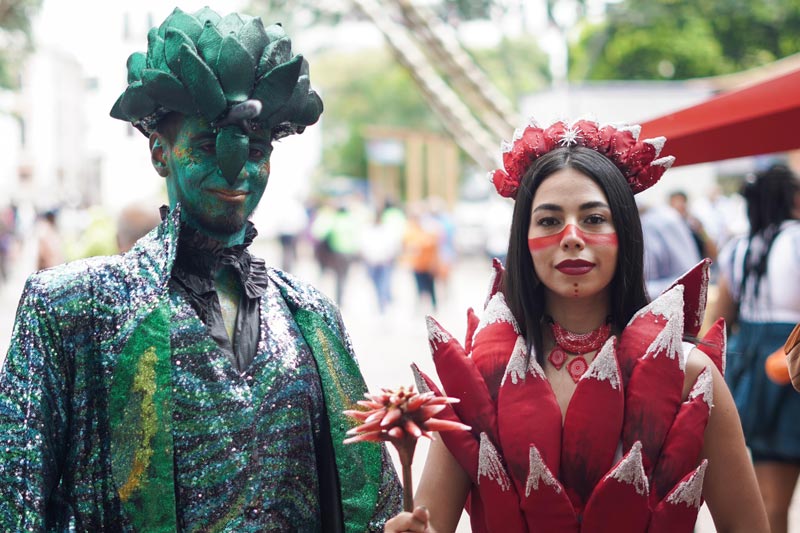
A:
(462, 444)
(619, 503)
(461, 379)
(545, 503)
(500, 500)
(695, 295)
(506, 185)
(714, 342)
(592, 426)
(683, 444)
(677, 513)
(496, 280)
(522, 421)
(472, 325)
(491, 351)
(554, 133)
(653, 394)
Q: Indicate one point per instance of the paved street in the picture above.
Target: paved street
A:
(386, 345)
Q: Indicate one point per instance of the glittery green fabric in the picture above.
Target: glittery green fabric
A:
(140, 414)
(85, 393)
(361, 462)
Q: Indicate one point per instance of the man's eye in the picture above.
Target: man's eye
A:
(257, 153)
(208, 148)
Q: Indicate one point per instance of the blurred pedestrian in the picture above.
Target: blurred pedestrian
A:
(292, 220)
(706, 247)
(51, 249)
(669, 249)
(421, 252)
(381, 243)
(759, 294)
(133, 223)
(7, 233)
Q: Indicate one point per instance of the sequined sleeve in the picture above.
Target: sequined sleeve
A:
(33, 415)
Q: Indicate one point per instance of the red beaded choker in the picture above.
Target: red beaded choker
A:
(578, 344)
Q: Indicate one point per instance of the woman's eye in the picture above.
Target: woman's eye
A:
(595, 219)
(548, 221)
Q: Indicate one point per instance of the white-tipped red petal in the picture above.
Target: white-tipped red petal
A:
(494, 342)
(684, 441)
(462, 444)
(495, 280)
(714, 343)
(588, 447)
(545, 504)
(472, 324)
(653, 393)
(461, 379)
(619, 503)
(522, 422)
(695, 295)
(498, 495)
(677, 512)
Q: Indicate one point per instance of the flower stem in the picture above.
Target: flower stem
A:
(405, 449)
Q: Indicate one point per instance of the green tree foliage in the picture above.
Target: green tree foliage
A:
(369, 88)
(657, 39)
(15, 36)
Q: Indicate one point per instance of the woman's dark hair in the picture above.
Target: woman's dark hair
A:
(522, 289)
(770, 196)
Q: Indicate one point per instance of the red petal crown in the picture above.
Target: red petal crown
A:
(638, 160)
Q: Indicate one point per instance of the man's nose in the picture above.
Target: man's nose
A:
(572, 238)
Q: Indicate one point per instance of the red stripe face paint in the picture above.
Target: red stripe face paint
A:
(591, 239)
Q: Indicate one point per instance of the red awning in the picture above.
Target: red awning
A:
(759, 119)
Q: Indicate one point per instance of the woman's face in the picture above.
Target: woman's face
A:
(572, 239)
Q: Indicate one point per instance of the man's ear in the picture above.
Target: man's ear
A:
(157, 154)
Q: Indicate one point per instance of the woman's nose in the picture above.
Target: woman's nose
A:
(572, 238)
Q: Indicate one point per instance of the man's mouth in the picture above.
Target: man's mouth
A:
(229, 195)
(574, 267)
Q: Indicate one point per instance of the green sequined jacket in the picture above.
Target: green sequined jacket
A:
(87, 402)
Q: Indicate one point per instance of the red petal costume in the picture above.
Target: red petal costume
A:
(627, 457)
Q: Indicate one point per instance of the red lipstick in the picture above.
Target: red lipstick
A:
(574, 267)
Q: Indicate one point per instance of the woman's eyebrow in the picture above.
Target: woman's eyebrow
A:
(548, 207)
(593, 205)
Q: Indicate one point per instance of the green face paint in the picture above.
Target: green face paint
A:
(210, 203)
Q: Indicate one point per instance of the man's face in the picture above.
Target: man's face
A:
(209, 203)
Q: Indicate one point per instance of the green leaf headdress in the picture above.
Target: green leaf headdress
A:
(232, 71)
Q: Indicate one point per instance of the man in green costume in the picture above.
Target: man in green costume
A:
(184, 385)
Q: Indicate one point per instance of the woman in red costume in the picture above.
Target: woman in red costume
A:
(589, 409)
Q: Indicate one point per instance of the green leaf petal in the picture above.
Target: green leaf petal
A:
(310, 114)
(232, 147)
(236, 70)
(230, 24)
(135, 103)
(136, 62)
(253, 37)
(116, 109)
(294, 106)
(199, 79)
(167, 90)
(275, 32)
(207, 14)
(276, 87)
(152, 43)
(187, 24)
(208, 45)
(276, 52)
(173, 43)
(162, 30)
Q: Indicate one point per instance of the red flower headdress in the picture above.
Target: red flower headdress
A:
(638, 160)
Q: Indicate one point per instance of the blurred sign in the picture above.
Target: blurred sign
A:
(386, 151)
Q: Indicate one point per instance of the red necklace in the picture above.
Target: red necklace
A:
(578, 344)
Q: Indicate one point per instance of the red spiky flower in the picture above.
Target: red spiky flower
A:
(401, 416)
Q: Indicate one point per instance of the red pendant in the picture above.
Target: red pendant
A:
(557, 357)
(577, 367)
